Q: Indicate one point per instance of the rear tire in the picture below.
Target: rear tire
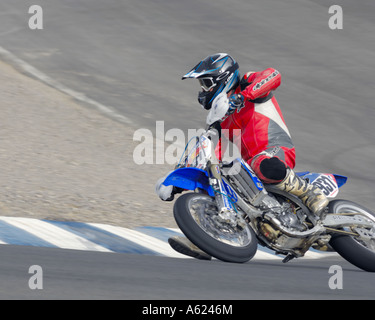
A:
(347, 246)
(183, 214)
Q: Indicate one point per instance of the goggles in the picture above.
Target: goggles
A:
(207, 83)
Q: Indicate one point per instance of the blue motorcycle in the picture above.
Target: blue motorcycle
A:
(261, 214)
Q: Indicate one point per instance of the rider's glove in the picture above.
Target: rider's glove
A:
(236, 102)
(166, 193)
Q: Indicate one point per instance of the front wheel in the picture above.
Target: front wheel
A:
(359, 251)
(196, 215)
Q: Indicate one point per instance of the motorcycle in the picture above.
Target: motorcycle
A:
(231, 211)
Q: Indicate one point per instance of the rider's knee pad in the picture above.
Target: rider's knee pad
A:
(269, 170)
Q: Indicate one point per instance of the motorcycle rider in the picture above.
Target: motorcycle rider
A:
(265, 141)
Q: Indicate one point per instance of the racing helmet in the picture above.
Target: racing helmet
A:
(216, 74)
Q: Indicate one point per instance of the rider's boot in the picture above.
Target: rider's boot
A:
(184, 246)
(311, 196)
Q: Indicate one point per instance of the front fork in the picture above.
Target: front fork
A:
(213, 168)
(216, 182)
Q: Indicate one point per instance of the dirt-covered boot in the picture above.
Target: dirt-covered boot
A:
(184, 246)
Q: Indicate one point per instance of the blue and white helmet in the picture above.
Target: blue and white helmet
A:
(216, 73)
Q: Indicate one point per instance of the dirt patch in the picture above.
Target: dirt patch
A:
(60, 160)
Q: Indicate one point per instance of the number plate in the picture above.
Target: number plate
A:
(324, 181)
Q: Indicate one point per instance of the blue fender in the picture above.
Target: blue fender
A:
(341, 180)
(190, 179)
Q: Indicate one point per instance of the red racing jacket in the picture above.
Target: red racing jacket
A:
(260, 121)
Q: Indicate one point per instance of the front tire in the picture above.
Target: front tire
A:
(194, 214)
(357, 252)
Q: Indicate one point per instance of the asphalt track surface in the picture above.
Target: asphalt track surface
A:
(130, 56)
(70, 274)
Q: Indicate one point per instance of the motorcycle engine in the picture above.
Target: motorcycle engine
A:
(280, 241)
(285, 216)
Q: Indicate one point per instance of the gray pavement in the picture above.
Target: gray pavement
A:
(69, 274)
(130, 55)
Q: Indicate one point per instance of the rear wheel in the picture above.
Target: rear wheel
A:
(359, 251)
(196, 215)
